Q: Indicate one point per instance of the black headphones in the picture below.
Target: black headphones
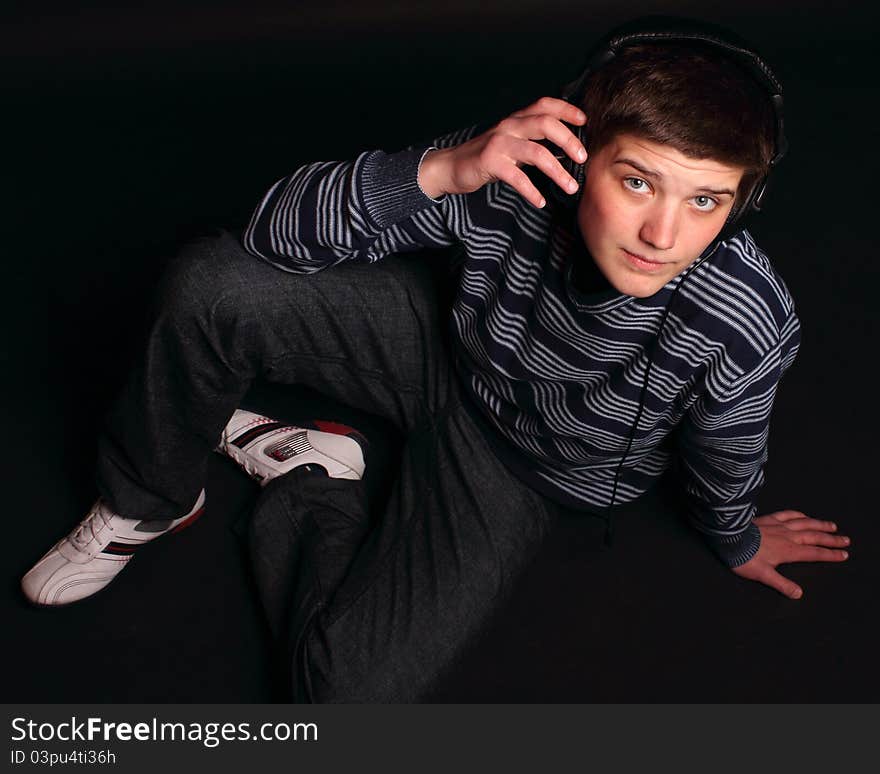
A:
(661, 29)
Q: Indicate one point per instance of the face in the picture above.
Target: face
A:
(647, 211)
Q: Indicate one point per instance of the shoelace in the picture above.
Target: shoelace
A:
(91, 526)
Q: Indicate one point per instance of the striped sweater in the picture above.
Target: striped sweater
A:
(554, 357)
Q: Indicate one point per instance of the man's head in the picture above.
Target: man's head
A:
(678, 134)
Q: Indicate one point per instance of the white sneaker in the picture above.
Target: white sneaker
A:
(266, 448)
(95, 553)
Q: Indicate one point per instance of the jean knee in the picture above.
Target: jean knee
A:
(206, 279)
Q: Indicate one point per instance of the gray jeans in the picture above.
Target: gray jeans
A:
(367, 607)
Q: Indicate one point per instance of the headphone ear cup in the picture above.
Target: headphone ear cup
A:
(576, 169)
(572, 167)
(752, 202)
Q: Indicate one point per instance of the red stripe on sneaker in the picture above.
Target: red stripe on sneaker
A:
(121, 549)
(255, 432)
(339, 429)
(184, 524)
(333, 427)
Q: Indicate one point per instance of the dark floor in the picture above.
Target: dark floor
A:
(117, 153)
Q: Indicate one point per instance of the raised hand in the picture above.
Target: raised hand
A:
(498, 153)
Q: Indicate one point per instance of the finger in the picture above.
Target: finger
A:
(526, 152)
(782, 584)
(554, 106)
(815, 554)
(550, 133)
(819, 538)
(810, 524)
(786, 516)
(541, 127)
(519, 180)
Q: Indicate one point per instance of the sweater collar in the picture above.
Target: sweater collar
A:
(585, 286)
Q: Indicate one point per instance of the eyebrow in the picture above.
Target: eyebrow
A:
(657, 176)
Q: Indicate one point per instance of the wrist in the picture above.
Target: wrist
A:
(432, 173)
(737, 550)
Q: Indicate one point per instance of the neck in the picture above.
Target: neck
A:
(585, 275)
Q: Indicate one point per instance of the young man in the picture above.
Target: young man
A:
(582, 359)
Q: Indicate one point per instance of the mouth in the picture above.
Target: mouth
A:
(640, 262)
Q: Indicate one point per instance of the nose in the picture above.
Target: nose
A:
(660, 227)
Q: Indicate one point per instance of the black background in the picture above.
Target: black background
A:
(129, 130)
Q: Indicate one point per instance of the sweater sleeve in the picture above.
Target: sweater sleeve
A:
(722, 449)
(361, 210)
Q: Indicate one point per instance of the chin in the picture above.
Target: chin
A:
(643, 292)
(637, 287)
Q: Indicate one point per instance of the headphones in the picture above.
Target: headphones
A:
(663, 29)
(669, 29)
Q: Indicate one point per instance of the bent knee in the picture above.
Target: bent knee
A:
(212, 276)
(196, 276)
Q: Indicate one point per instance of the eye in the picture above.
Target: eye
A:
(635, 184)
(705, 203)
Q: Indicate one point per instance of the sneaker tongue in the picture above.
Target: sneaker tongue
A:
(90, 529)
(88, 538)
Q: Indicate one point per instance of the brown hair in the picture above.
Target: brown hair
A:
(686, 95)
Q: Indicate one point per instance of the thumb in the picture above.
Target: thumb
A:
(782, 584)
